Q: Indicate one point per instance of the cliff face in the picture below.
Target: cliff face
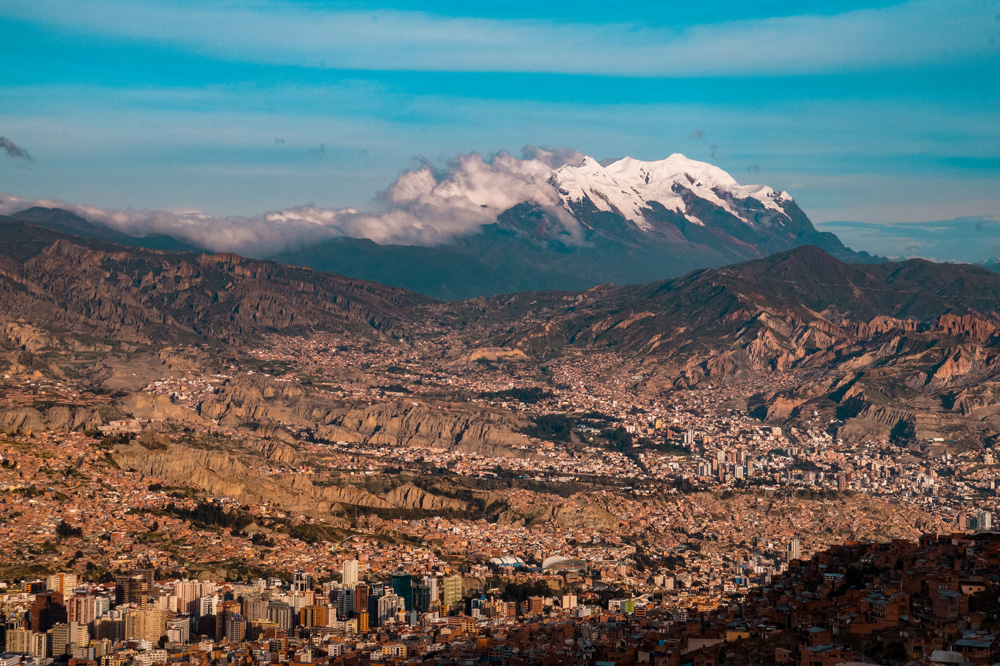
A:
(421, 426)
(259, 399)
(156, 407)
(242, 478)
(24, 336)
(256, 401)
(577, 515)
(25, 420)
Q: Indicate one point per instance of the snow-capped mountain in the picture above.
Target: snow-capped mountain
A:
(530, 225)
(631, 187)
(678, 205)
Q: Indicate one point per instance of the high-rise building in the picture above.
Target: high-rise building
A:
(302, 582)
(133, 588)
(179, 629)
(421, 598)
(345, 603)
(110, 627)
(350, 577)
(188, 592)
(208, 605)
(255, 607)
(362, 617)
(59, 638)
(388, 606)
(63, 583)
(281, 614)
(794, 550)
(314, 616)
(402, 586)
(18, 640)
(81, 608)
(226, 610)
(432, 582)
(39, 645)
(451, 591)
(102, 605)
(145, 623)
(360, 598)
(46, 611)
(79, 634)
(63, 637)
(236, 628)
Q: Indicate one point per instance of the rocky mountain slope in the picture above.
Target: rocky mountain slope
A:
(908, 348)
(54, 280)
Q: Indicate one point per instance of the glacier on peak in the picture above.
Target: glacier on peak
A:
(628, 186)
(589, 180)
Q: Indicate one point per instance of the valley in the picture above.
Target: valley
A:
(226, 418)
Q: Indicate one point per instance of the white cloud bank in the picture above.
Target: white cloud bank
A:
(425, 206)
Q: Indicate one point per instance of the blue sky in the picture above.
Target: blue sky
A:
(880, 112)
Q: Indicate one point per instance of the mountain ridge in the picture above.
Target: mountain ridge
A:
(500, 225)
(96, 287)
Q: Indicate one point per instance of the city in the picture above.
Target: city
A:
(661, 508)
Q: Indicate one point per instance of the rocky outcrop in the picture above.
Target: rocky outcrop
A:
(971, 326)
(409, 496)
(156, 407)
(256, 399)
(491, 354)
(25, 420)
(24, 336)
(225, 474)
(274, 451)
(578, 515)
(783, 407)
(880, 325)
(418, 425)
(267, 405)
(964, 365)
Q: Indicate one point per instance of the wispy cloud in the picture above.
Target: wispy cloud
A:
(918, 31)
(424, 206)
(13, 150)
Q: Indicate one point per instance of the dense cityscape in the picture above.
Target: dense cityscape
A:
(669, 513)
